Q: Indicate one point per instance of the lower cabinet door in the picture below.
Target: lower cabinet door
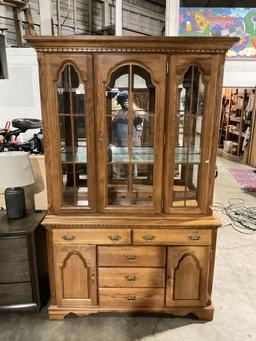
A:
(187, 275)
(75, 275)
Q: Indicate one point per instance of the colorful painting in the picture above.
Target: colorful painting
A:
(223, 22)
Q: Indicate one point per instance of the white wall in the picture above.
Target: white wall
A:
(239, 73)
(20, 97)
(20, 94)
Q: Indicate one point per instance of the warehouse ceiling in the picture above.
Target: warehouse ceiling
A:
(217, 3)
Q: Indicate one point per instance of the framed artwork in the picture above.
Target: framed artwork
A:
(223, 22)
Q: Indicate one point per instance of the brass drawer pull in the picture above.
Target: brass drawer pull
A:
(114, 237)
(194, 238)
(130, 257)
(130, 278)
(130, 298)
(149, 237)
(68, 237)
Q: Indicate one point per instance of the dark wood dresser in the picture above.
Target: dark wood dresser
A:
(24, 281)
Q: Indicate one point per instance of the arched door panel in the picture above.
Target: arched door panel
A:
(130, 115)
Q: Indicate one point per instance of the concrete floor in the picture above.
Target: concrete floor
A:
(234, 297)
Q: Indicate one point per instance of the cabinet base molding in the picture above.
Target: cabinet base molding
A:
(202, 313)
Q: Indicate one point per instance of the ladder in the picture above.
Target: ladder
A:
(19, 7)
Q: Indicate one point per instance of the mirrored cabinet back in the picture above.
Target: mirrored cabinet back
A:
(130, 129)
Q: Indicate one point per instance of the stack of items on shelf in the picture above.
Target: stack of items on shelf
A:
(236, 120)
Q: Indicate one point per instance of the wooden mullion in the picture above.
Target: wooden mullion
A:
(172, 103)
(188, 135)
(130, 134)
(72, 137)
(198, 165)
(183, 166)
(194, 133)
(197, 100)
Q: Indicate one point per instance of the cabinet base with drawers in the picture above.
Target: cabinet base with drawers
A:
(148, 264)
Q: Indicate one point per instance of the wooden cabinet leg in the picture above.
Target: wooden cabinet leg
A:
(205, 313)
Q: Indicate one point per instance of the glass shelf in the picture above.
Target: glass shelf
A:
(139, 155)
(80, 155)
(146, 155)
(182, 156)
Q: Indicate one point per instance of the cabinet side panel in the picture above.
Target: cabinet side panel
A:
(46, 114)
(217, 71)
(51, 266)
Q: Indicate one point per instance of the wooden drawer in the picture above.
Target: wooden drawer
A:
(91, 236)
(15, 293)
(134, 256)
(172, 237)
(131, 298)
(14, 263)
(131, 277)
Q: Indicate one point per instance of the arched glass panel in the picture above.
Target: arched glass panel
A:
(73, 136)
(130, 115)
(189, 118)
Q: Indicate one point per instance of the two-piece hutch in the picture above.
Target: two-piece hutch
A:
(129, 223)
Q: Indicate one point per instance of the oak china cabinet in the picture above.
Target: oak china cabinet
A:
(130, 128)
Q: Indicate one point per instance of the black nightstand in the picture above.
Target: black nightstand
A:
(24, 283)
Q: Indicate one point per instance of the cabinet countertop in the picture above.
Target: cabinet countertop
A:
(111, 221)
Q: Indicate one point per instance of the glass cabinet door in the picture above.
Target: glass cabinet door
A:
(130, 115)
(74, 164)
(185, 185)
(131, 119)
(73, 138)
(188, 139)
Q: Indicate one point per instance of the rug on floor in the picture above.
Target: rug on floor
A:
(245, 177)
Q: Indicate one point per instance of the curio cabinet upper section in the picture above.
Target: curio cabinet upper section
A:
(130, 124)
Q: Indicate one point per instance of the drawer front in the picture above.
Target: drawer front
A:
(91, 236)
(17, 293)
(172, 237)
(133, 256)
(131, 298)
(131, 277)
(14, 263)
